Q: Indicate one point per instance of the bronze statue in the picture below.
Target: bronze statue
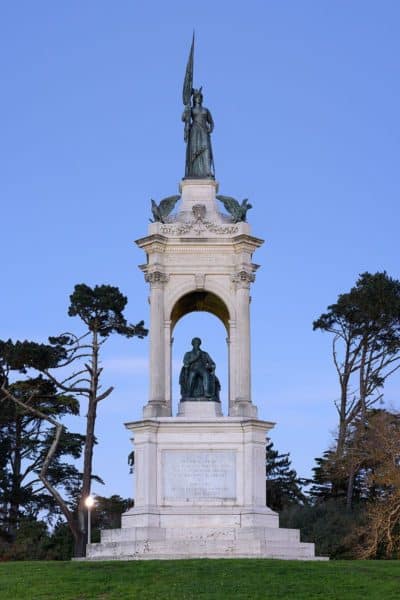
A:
(163, 209)
(199, 125)
(236, 210)
(197, 378)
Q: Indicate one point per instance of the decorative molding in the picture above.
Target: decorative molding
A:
(198, 226)
(199, 211)
(156, 277)
(220, 229)
(191, 247)
(180, 229)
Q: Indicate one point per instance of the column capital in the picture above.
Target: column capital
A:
(243, 279)
(156, 277)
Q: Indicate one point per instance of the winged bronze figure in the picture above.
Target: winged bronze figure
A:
(163, 209)
(235, 209)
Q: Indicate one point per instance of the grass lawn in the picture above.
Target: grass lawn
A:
(191, 579)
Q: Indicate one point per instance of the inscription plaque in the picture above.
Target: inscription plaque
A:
(199, 474)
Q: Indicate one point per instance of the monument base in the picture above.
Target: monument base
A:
(191, 538)
(200, 492)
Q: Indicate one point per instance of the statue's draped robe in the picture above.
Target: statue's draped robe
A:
(199, 158)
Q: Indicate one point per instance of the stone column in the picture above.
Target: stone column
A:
(168, 366)
(242, 405)
(157, 405)
(232, 371)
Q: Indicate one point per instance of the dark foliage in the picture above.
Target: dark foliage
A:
(283, 484)
(24, 443)
(101, 309)
(328, 524)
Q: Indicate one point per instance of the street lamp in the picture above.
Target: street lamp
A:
(89, 502)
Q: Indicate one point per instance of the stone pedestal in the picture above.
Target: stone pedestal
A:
(202, 410)
(200, 492)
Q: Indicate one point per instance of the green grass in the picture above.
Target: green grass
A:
(200, 579)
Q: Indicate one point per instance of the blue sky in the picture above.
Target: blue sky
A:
(305, 98)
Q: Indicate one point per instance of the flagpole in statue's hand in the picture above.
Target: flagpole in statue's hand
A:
(188, 81)
(187, 91)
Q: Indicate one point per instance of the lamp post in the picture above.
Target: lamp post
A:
(89, 502)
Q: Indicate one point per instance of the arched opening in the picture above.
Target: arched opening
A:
(200, 301)
(200, 314)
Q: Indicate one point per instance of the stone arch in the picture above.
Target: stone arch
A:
(223, 306)
(200, 300)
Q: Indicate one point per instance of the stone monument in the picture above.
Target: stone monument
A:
(200, 475)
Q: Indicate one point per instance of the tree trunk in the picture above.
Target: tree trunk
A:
(93, 368)
(13, 512)
(342, 433)
(363, 382)
(344, 378)
(80, 544)
(350, 487)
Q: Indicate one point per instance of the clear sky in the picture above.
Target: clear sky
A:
(305, 96)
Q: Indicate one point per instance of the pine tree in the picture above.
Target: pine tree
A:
(283, 484)
(24, 442)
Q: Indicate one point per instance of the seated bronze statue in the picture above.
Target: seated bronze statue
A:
(197, 378)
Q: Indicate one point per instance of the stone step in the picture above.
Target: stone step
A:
(201, 548)
(202, 517)
(269, 534)
(211, 556)
(132, 534)
(201, 533)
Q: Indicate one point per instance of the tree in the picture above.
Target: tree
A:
(365, 324)
(25, 441)
(283, 484)
(359, 463)
(101, 310)
(368, 527)
(106, 513)
(30, 543)
(326, 481)
(340, 479)
(379, 535)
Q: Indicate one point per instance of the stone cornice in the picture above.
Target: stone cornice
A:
(158, 243)
(205, 423)
(154, 239)
(243, 243)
